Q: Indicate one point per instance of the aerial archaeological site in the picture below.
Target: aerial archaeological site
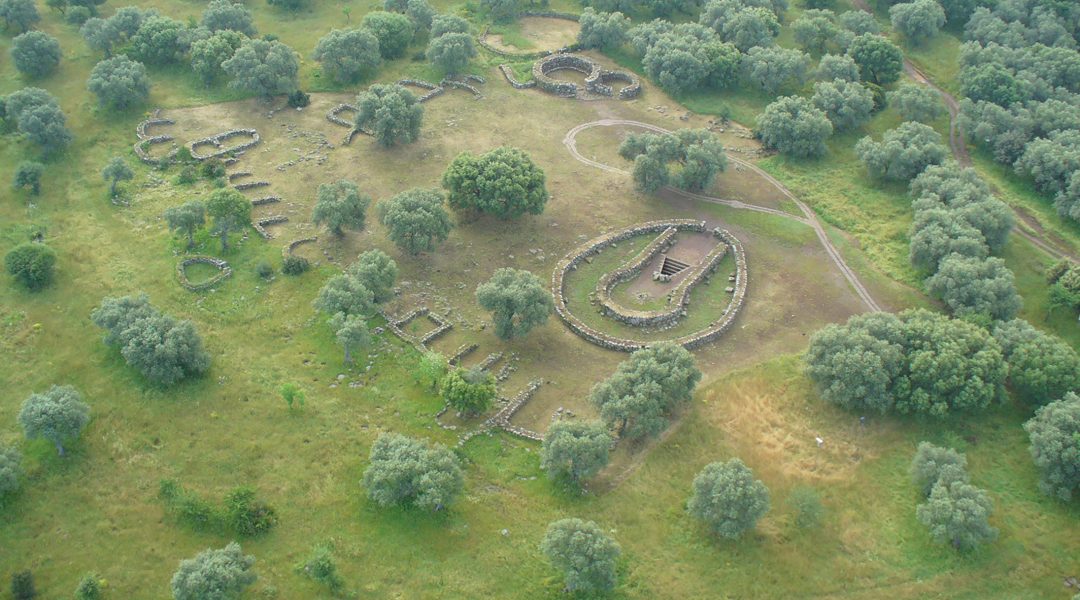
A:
(540, 299)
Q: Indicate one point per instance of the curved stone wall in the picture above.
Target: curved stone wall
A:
(217, 141)
(597, 79)
(222, 266)
(592, 247)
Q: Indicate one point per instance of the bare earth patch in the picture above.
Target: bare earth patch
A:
(537, 34)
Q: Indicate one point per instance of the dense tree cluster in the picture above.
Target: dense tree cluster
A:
(504, 182)
(916, 362)
(837, 66)
(103, 35)
(793, 125)
(1042, 367)
(818, 31)
(696, 154)
(1020, 73)
(918, 20)
(1055, 445)
(405, 471)
(772, 68)
(903, 152)
(348, 55)
(601, 29)
(954, 511)
(685, 57)
(19, 15)
(415, 220)
(727, 498)
(880, 61)
(637, 400)
(746, 24)
(517, 300)
(957, 225)
(36, 114)
(160, 41)
(583, 553)
(160, 347)
(391, 113)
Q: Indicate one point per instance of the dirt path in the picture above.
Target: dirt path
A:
(960, 152)
(808, 218)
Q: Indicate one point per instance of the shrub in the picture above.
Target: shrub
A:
(10, 471)
(806, 503)
(294, 265)
(31, 264)
(728, 499)
(320, 568)
(214, 574)
(407, 471)
(90, 588)
(469, 392)
(584, 554)
(933, 464)
(22, 586)
(957, 513)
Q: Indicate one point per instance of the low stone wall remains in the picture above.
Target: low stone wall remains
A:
(289, 248)
(508, 73)
(142, 147)
(261, 224)
(597, 79)
(181, 272)
(217, 141)
(462, 352)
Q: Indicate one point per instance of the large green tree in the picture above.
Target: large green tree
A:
(504, 182)
(933, 464)
(351, 332)
(345, 294)
(265, 68)
(187, 219)
(903, 152)
(957, 513)
(404, 470)
(416, 221)
(696, 154)
(847, 105)
(221, 574)
(575, 450)
(28, 175)
(470, 392)
(583, 553)
(880, 61)
(119, 83)
(391, 113)
(378, 272)
(19, 15)
(518, 302)
(1042, 367)
(160, 41)
(208, 54)
(602, 30)
(728, 499)
(451, 52)
(919, 20)
(348, 55)
(231, 211)
(916, 102)
(220, 15)
(35, 53)
(58, 415)
(340, 205)
(637, 400)
(1054, 432)
(394, 32)
(982, 287)
(793, 125)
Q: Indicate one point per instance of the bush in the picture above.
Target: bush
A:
(220, 574)
(90, 588)
(405, 471)
(728, 499)
(933, 464)
(299, 99)
(294, 265)
(22, 586)
(264, 269)
(246, 515)
(468, 392)
(31, 264)
(320, 568)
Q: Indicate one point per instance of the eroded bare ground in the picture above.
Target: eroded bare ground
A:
(794, 287)
(542, 32)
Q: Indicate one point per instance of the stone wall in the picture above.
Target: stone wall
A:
(597, 79)
(462, 352)
(222, 266)
(289, 248)
(142, 147)
(592, 247)
(261, 224)
(217, 141)
(508, 73)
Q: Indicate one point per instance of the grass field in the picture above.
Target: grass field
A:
(96, 509)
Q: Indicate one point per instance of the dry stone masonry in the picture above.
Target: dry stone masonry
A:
(597, 79)
(727, 242)
(293, 245)
(225, 271)
(142, 147)
(261, 224)
(218, 142)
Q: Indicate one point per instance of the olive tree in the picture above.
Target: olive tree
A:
(420, 13)
(378, 272)
(345, 294)
(1054, 432)
(394, 32)
(31, 264)
(687, 58)
(348, 55)
(847, 105)
(1042, 367)
(391, 113)
(933, 464)
(583, 553)
(696, 153)
(406, 471)
(221, 574)
(957, 513)
(504, 182)
(36, 114)
(340, 205)
(816, 28)
(443, 24)
(727, 498)
(518, 302)
(351, 332)
(231, 212)
(451, 52)
(28, 175)
(265, 68)
(35, 53)
(222, 15)
(57, 415)
(160, 41)
(918, 20)
(859, 22)
(880, 61)
(575, 450)
(602, 30)
(119, 83)
(415, 220)
(187, 219)
(10, 470)
(837, 66)
(163, 349)
(975, 286)
(903, 152)
(793, 125)
(916, 102)
(469, 392)
(637, 400)
(19, 15)
(115, 171)
(772, 68)
(208, 54)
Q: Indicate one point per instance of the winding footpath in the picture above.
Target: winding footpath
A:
(809, 218)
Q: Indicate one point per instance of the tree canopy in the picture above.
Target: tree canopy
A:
(837, 66)
(728, 499)
(35, 53)
(915, 362)
(391, 112)
(31, 264)
(378, 272)
(637, 400)
(345, 294)
(1054, 432)
(583, 553)
(880, 61)
(957, 513)
(160, 41)
(976, 286)
(348, 55)
(793, 125)
(19, 15)
(918, 20)
(575, 450)
(602, 30)
(903, 152)
(221, 574)
(518, 302)
(208, 54)
(58, 415)
(28, 175)
(933, 464)
(916, 102)
(504, 182)
(416, 221)
(119, 83)
(231, 211)
(394, 32)
(770, 69)
(222, 15)
(186, 218)
(351, 332)
(37, 115)
(263, 68)
(1042, 367)
(451, 52)
(403, 471)
(697, 154)
(340, 205)
(10, 470)
(161, 348)
(470, 392)
(847, 105)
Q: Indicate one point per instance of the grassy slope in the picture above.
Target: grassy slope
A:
(95, 510)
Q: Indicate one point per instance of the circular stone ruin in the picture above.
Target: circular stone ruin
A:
(224, 272)
(597, 79)
(678, 306)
